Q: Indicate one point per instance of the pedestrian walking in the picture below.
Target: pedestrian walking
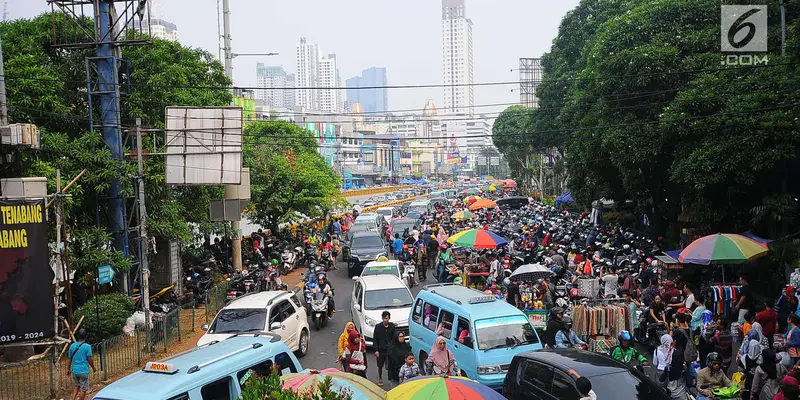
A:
(382, 337)
(398, 350)
(343, 341)
(80, 356)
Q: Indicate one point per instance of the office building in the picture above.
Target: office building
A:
(330, 97)
(307, 70)
(375, 100)
(457, 67)
(274, 87)
(159, 27)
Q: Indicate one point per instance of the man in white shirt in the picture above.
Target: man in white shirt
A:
(494, 266)
(688, 291)
(611, 280)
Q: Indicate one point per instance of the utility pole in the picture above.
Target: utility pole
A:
(231, 191)
(144, 247)
(3, 104)
(783, 29)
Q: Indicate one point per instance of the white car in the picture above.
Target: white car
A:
(391, 267)
(372, 295)
(387, 213)
(277, 312)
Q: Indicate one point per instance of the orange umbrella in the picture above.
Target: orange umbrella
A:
(482, 203)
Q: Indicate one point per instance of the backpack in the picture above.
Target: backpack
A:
(690, 351)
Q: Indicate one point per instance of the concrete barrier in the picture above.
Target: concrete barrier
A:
(375, 190)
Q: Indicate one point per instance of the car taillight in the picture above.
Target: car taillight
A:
(232, 293)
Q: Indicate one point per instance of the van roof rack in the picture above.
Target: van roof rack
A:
(200, 366)
(193, 349)
(435, 285)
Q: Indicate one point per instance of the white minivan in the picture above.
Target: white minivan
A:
(372, 295)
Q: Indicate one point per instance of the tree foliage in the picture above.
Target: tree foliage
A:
(635, 97)
(289, 178)
(105, 316)
(47, 86)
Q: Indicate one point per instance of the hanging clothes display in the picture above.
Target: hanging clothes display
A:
(600, 320)
(722, 298)
(589, 287)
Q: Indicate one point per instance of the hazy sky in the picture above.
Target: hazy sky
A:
(402, 35)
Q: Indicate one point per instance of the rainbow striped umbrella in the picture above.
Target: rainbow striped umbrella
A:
(476, 239)
(462, 215)
(722, 248)
(440, 388)
(359, 388)
(471, 199)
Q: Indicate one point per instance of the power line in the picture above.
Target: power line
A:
(436, 85)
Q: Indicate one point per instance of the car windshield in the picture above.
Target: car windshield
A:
(385, 212)
(365, 221)
(239, 320)
(399, 227)
(382, 270)
(367, 242)
(511, 331)
(387, 298)
(623, 386)
(418, 206)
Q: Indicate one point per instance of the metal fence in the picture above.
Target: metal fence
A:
(49, 377)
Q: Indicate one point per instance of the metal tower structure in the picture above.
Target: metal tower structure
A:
(106, 26)
(530, 76)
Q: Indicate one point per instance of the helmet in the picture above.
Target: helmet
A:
(274, 262)
(457, 280)
(556, 310)
(625, 335)
(567, 321)
(245, 273)
(507, 281)
(669, 283)
(442, 247)
(321, 277)
(405, 247)
(713, 357)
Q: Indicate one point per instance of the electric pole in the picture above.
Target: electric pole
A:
(3, 105)
(144, 243)
(231, 191)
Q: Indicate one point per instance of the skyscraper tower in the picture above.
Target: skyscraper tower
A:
(307, 69)
(457, 69)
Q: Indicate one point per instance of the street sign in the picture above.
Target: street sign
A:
(105, 274)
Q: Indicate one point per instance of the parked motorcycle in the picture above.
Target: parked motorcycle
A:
(288, 258)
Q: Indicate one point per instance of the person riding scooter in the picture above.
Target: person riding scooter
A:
(566, 337)
(625, 352)
(323, 286)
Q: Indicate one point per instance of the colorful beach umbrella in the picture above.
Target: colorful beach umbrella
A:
(471, 199)
(722, 248)
(482, 203)
(476, 239)
(440, 388)
(491, 188)
(471, 191)
(359, 388)
(511, 183)
(462, 215)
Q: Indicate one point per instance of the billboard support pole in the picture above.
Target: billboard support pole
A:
(143, 241)
(60, 264)
(231, 191)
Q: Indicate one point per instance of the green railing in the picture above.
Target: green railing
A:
(47, 378)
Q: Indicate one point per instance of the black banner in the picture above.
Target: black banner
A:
(26, 279)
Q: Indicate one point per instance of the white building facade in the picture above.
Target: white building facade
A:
(457, 66)
(331, 98)
(307, 68)
(274, 87)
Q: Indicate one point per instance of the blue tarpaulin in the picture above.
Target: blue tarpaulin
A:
(565, 198)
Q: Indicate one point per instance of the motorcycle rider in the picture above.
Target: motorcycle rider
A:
(554, 325)
(444, 258)
(625, 352)
(566, 337)
(323, 286)
(711, 377)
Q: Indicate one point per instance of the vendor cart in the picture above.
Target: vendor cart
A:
(538, 318)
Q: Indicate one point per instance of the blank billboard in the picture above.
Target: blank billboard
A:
(203, 145)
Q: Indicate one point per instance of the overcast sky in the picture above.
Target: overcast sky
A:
(402, 35)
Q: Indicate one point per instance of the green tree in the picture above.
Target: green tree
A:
(289, 179)
(47, 86)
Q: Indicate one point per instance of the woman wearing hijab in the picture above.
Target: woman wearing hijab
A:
(750, 362)
(441, 361)
(761, 338)
(343, 340)
(662, 357)
(398, 350)
(752, 335)
(354, 355)
(786, 304)
(768, 377)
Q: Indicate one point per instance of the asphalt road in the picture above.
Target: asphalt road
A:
(322, 349)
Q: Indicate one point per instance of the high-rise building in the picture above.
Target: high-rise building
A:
(159, 27)
(274, 87)
(459, 96)
(530, 76)
(307, 68)
(330, 97)
(375, 100)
